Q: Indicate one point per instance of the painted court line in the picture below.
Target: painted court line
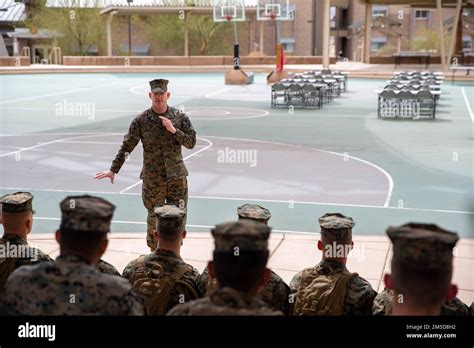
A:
(467, 104)
(228, 110)
(177, 96)
(217, 92)
(43, 144)
(43, 134)
(184, 159)
(58, 93)
(249, 200)
(188, 225)
(52, 109)
(235, 198)
(384, 172)
(101, 142)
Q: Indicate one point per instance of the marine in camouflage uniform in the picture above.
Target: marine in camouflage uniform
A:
(421, 271)
(14, 204)
(359, 294)
(164, 174)
(164, 263)
(107, 268)
(276, 293)
(72, 284)
(248, 239)
(383, 305)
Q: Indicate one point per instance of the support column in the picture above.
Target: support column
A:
(251, 33)
(109, 33)
(454, 35)
(326, 32)
(368, 32)
(460, 35)
(16, 51)
(441, 34)
(187, 16)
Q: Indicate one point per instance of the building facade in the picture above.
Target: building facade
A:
(394, 28)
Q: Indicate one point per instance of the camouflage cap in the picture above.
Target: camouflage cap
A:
(243, 234)
(254, 212)
(159, 85)
(170, 213)
(18, 202)
(86, 214)
(336, 226)
(424, 246)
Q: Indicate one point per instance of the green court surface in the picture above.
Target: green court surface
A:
(58, 130)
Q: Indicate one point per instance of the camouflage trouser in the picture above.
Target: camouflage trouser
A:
(165, 191)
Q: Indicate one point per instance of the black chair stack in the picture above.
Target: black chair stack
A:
(311, 89)
(412, 94)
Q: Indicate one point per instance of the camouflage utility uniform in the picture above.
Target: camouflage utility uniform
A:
(359, 294)
(164, 174)
(168, 263)
(383, 305)
(70, 285)
(17, 252)
(225, 301)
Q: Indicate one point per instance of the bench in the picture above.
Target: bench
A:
(467, 55)
(412, 54)
(466, 68)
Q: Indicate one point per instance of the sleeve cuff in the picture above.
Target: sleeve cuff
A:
(179, 134)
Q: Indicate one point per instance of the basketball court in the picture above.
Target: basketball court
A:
(58, 130)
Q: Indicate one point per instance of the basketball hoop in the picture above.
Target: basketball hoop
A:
(272, 15)
(229, 17)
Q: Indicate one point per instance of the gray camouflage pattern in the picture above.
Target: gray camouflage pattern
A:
(107, 268)
(383, 305)
(86, 214)
(68, 286)
(31, 255)
(18, 202)
(227, 302)
(275, 294)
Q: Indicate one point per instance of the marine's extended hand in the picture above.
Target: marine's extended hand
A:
(107, 174)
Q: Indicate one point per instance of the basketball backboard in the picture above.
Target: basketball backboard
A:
(228, 10)
(278, 10)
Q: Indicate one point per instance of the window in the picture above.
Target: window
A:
(377, 43)
(421, 14)
(466, 43)
(468, 12)
(333, 17)
(288, 45)
(379, 11)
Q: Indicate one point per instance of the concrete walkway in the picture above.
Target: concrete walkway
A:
(355, 69)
